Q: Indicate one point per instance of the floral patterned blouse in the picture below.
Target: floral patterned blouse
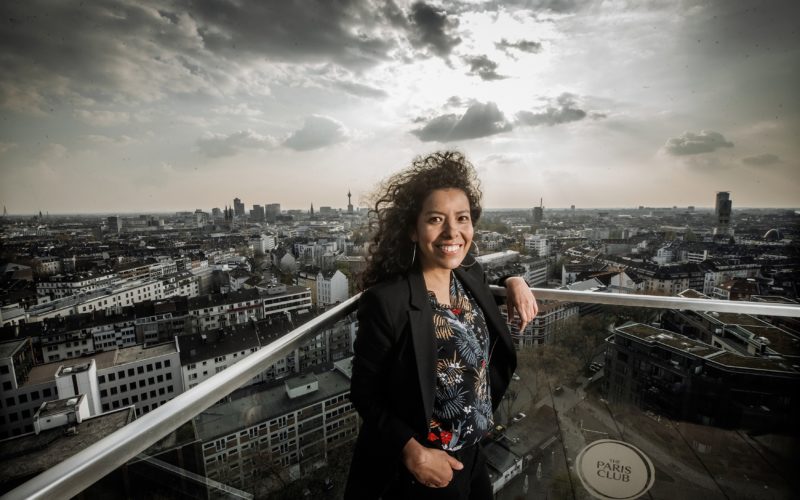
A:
(462, 408)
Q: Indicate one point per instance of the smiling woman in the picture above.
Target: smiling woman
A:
(433, 354)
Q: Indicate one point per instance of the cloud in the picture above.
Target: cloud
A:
(689, 143)
(317, 132)
(219, 145)
(563, 109)
(360, 89)
(761, 160)
(480, 120)
(125, 51)
(484, 67)
(522, 45)
(122, 140)
(430, 28)
(102, 118)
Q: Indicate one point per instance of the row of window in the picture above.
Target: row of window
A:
(23, 398)
(139, 369)
(135, 399)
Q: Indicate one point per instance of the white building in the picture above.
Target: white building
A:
(332, 288)
(537, 243)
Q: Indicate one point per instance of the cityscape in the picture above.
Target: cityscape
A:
(107, 318)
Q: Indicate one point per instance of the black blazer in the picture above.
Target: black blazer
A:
(394, 372)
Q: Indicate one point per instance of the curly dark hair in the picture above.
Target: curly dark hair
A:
(397, 204)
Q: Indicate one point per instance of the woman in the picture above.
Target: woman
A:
(433, 355)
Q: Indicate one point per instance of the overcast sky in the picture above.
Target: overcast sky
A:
(155, 105)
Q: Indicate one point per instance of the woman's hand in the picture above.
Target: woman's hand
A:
(430, 467)
(520, 301)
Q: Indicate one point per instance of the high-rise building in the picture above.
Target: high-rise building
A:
(349, 203)
(722, 210)
(257, 213)
(114, 224)
(538, 212)
(238, 207)
(272, 211)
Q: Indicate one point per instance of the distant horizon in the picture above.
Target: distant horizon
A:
(485, 208)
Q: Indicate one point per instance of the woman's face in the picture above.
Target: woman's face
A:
(444, 229)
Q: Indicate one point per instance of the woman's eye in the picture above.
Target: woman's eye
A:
(463, 218)
(435, 220)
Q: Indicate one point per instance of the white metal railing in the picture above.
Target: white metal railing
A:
(83, 469)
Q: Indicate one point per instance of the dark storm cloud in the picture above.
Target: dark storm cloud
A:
(317, 132)
(295, 31)
(521, 45)
(480, 120)
(219, 145)
(483, 67)
(101, 51)
(689, 143)
(761, 160)
(430, 28)
(563, 109)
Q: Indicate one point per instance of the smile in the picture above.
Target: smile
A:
(449, 249)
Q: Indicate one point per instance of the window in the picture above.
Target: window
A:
(23, 398)
(166, 363)
(47, 392)
(34, 395)
(130, 372)
(140, 369)
(103, 393)
(6, 385)
(101, 379)
(160, 378)
(151, 381)
(169, 375)
(158, 365)
(149, 367)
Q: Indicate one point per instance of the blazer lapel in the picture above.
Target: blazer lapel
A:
(420, 318)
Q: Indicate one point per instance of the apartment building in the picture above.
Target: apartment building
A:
(214, 311)
(135, 376)
(684, 379)
(544, 328)
(60, 286)
(283, 430)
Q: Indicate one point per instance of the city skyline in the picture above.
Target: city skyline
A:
(130, 107)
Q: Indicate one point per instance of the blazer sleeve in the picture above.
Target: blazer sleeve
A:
(370, 382)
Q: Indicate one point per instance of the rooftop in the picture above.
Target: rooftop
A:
(7, 349)
(264, 402)
(30, 454)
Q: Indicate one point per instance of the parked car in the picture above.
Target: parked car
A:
(515, 376)
(558, 390)
(519, 416)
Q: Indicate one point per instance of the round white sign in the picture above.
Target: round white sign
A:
(614, 470)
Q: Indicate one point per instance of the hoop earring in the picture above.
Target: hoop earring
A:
(413, 255)
(474, 259)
